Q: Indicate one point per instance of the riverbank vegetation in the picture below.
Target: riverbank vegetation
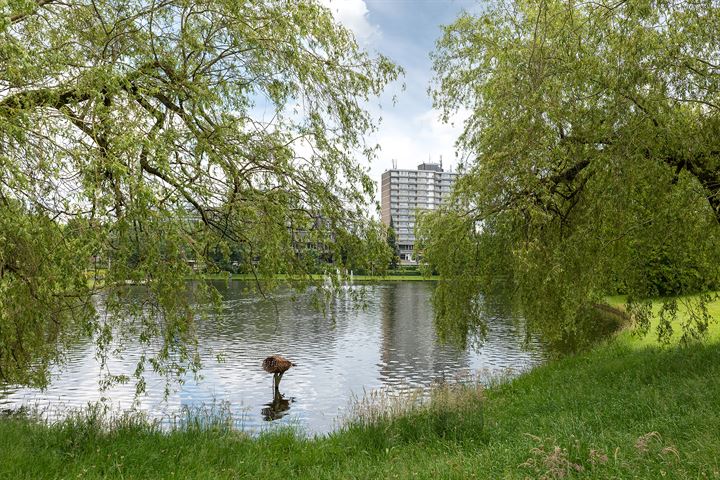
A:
(629, 408)
(406, 273)
(592, 160)
(315, 277)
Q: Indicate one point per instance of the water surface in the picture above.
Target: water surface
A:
(391, 344)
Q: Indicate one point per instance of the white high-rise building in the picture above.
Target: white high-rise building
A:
(404, 192)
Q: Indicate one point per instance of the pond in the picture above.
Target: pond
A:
(390, 344)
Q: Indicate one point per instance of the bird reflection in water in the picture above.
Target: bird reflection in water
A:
(278, 408)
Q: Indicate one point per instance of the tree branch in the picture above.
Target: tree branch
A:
(20, 16)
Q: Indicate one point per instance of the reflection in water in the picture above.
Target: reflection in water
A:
(391, 344)
(410, 351)
(278, 408)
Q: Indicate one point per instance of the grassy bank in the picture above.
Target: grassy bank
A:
(627, 409)
(248, 277)
(291, 278)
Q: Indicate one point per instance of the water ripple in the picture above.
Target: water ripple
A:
(391, 344)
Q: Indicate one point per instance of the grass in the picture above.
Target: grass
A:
(684, 304)
(249, 277)
(626, 409)
(290, 278)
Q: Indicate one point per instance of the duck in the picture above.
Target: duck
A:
(277, 365)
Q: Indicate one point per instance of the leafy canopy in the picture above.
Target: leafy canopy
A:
(140, 139)
(592, 148)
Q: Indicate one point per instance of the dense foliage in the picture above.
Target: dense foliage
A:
(592, 148)
(143, 140)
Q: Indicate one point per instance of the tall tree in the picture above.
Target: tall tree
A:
(138, 136)
(593, 155)
(392, 244)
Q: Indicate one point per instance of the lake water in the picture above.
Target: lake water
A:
(390, 344)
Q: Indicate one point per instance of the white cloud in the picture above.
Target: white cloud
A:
(354, 14)
(412, 140)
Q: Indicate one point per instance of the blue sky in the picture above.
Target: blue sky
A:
(406, 31)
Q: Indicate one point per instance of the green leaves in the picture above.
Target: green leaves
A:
(591, 165)
(169, 131)
(44, 294)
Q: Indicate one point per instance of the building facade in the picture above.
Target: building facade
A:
(403, 193)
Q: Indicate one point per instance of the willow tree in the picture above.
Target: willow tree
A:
(140, 137)
(592, 149)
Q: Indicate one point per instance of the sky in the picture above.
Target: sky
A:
(406, 32)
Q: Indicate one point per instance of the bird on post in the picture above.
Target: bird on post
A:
(277, 365)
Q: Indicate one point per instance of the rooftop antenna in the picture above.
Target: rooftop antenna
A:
(440, 162)
(394, 164)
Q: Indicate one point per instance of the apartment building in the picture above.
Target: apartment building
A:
(404, 192)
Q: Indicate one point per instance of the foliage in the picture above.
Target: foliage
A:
(593, 162)
(142, 140)
(47, 261)
(392, 244)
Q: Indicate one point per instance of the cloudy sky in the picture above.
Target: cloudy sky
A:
(406, 31)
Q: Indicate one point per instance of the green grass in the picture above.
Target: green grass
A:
(626, 409)
(291, 278)
(684, 303)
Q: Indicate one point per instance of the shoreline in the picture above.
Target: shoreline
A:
(313, 277)
(627, 408)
